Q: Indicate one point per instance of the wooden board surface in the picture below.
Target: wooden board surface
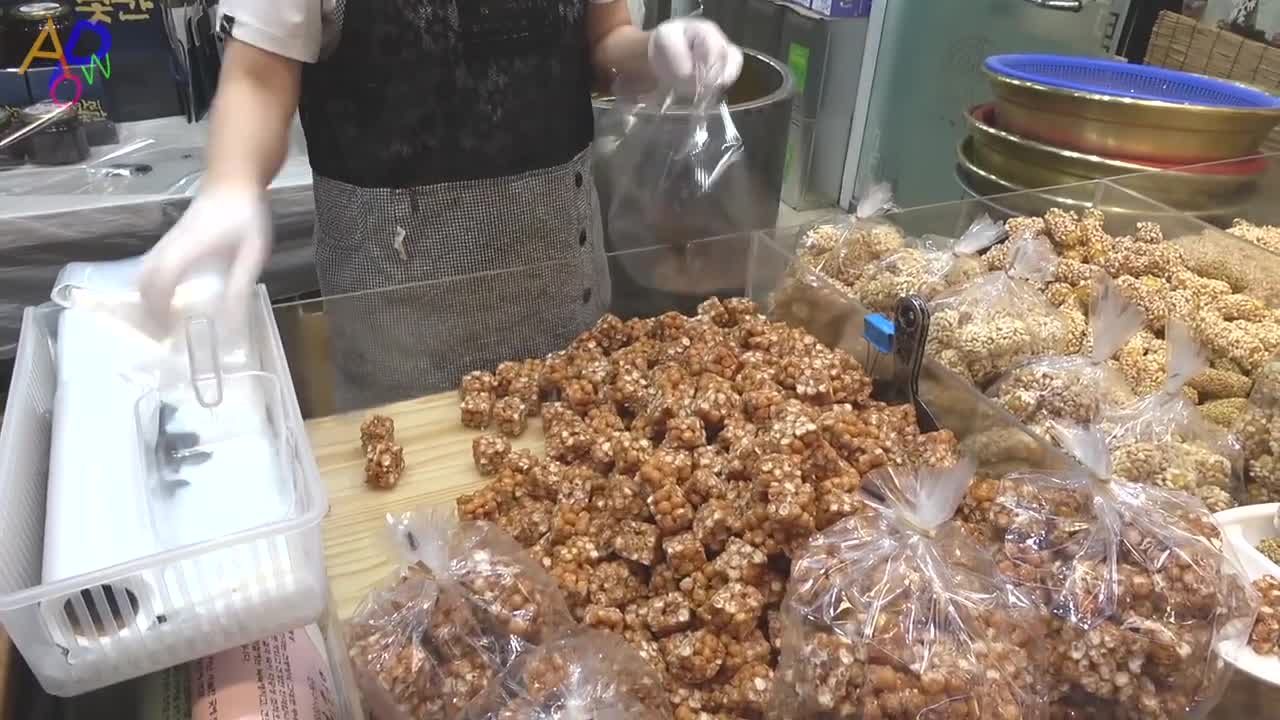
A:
(8, 670)
(438, 468)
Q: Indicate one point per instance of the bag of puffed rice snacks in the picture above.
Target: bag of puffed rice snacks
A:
(896, 612)
(1075, 389)
(1144, 597)
(984, 329)
(467, 602)
(1162, 439)
(588, 675)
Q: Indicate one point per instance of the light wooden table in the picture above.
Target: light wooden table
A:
(7, 670)
(438, 468)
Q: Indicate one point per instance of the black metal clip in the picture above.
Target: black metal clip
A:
(177, 449)
(906, 344)
(911, 332)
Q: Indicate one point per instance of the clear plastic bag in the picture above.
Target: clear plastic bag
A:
(813, 295)
(1000, 320)
(896, 612)
(668, 162)
(1162, 439)
(467, 603)
(1258, 428)
(1075, 389)
(841, 247)
(1146, 599)
(589, 674)
(927, 266)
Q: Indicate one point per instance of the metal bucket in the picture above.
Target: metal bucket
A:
(760, 105)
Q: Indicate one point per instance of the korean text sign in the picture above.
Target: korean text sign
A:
(91, 64)
(100, 15)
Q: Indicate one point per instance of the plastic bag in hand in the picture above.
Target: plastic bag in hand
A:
(468, 602)
(1162, 439)
(1075, 389)
(670, 165)
(589, 675)
(1000, 320)
(1145, 597)
(897, 613)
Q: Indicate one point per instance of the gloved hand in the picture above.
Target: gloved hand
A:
(224, 232)
(689, 54)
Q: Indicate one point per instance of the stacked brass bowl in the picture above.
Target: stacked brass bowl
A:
(1068, 137)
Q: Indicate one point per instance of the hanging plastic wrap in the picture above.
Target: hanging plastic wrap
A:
(813, 295)
(897, 613)
(1162, 439)
(1145, 599)
(1259, 432)
(590, 674)
(1000, 320)
(467, 603)
(1075, 389)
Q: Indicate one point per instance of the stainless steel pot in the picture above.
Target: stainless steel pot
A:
(746, 197)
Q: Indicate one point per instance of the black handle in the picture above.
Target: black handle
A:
(1074, 6)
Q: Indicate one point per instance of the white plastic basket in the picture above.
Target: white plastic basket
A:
(101, 627)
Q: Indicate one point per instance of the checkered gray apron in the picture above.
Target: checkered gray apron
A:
(424, 284)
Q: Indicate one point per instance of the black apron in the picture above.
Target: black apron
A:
(456, 214)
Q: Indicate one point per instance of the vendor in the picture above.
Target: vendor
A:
(451, 147)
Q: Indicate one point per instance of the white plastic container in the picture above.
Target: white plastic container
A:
(211, 585)
(1245, 527)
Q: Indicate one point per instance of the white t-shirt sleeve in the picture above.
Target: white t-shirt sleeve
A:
(297, 29)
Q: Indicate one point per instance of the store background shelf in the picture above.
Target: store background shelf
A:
(1180, 43)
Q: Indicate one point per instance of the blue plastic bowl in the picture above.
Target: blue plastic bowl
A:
(1117, 79)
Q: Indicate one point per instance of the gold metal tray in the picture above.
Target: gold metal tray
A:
(1128, 128)
(1007, 198)
(1027, 163)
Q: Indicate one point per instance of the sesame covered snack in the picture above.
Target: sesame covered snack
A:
(1259, 430)
(831, 255)
(1264, 236)
(1162, 439)
(467, 603)
(1000, 320)
(1074, 389)
(925, 266)
(1225, 292)
(1144, 598)
(896, 613)
(588, 674)
(844, 247)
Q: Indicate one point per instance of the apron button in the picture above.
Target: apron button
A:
(577, 179)
(582, 239)
(586, 296)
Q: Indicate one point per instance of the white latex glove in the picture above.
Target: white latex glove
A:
(690, 54)
(222, 232)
